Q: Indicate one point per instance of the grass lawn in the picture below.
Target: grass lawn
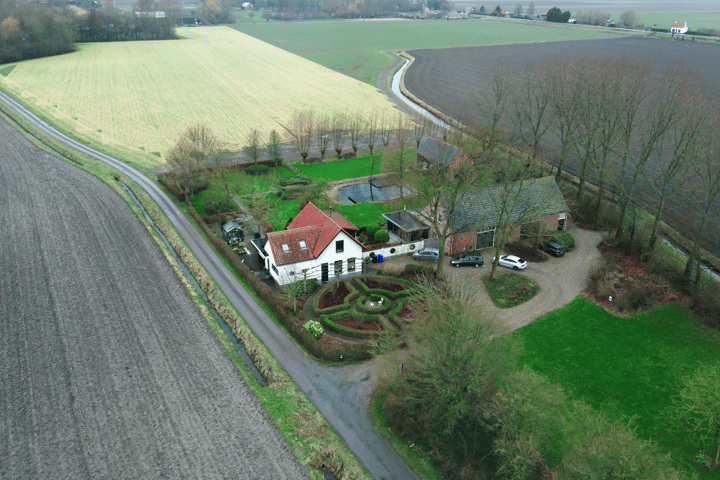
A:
(133, 100)
(359, 48)
(624, 366)
(510, 289)
(340, 169)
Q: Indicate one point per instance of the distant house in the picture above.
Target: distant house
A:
(247, 6)
(679, 27)
(317, 245)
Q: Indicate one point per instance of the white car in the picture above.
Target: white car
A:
(512, 261)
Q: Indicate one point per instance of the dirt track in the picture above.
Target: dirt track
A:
(108, 370)
(448, 79)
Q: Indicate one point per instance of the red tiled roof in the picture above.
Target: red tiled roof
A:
(678, 24)
(315, 227)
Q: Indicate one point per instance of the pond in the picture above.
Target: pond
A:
(365, 192)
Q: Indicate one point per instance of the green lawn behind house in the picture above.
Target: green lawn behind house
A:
(624, 366)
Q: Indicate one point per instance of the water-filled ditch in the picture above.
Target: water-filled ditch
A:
(241, 350)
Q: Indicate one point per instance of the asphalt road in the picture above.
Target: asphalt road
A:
(108, 369)
(339, 393)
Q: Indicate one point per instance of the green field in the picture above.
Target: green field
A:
(134, 99)
(694, 20)
(360, 48)
(625, 366)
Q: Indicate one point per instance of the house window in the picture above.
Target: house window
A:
(338, 268)
(303, 245)
(286, 247)
(339, 246)
(274, 268)
(351, 264)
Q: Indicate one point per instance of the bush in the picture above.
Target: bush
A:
(372, 229)
(381, 236)
(256, 170)
(631, 300)
(419, 270)
(295, 181)
(314, 327)
(564, 238)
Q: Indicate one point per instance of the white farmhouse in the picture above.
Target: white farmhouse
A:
(679, 27)
(316, 244)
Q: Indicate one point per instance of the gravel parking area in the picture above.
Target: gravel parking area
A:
(108, 370)
(560, 279)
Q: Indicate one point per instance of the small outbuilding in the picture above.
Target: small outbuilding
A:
(232, 233)
(247, 6)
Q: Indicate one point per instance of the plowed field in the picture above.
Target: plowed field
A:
(108, 370)
(448, 79)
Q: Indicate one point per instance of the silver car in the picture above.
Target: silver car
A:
(432, 254)
(512, 261)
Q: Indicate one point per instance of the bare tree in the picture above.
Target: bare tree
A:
(356, 129)
(442, 188)
(372, 131)
(396, 161)
(323, 131)
(386, 129)
(206, 142)
(531, 9)
(420, 129)
(253, 144)
(338, 127)
(563, 119)
(300, 130)
(275, 148)
(531, 106)
(676, 149)
(707, 170)
(511, 205)
(492, 104)
(629, 19)
(186, 165)
(518, 9)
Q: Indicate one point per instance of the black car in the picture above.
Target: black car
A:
(553, 248)
(468, 261)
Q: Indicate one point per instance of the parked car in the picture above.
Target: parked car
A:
(512, 261)
(468, 261)
(427, 254)
(553, 248)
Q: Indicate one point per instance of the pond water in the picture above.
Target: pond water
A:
(365, 192)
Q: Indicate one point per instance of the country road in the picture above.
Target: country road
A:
(339, 393)
(108, 369)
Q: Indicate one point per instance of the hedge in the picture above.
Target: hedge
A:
(257, 170)
(329, 323)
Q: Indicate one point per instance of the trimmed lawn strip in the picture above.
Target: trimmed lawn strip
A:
(624, 366)
(283, 395)
(340, 169)
(510, 289)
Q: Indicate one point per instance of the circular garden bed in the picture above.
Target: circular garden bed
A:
(363, 307)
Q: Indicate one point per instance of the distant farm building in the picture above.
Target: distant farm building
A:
(247, 6)
(679, 27)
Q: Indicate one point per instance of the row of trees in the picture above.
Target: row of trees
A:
(644, 140)
(112, 26)
(30, 30)
(459, 394)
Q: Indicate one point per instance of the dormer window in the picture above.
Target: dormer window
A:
(339, 246)
(303, 245)
(286, 248)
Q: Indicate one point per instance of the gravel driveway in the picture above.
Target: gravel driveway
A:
(560, 279)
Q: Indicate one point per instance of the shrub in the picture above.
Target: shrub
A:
(419, 270)
(631, 300)
(381, 236)
(256, 170)
(294, 181)
(371, 229)
(564, 238)
(314, 327)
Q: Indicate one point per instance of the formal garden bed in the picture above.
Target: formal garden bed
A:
(510, 289)
(364, 307)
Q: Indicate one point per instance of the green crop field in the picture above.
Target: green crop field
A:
(359, 48)
(134, 99)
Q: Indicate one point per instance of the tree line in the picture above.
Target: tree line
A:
(644, 140)
(33, 30)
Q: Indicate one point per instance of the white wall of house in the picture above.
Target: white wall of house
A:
(284, 274)
(395, 250)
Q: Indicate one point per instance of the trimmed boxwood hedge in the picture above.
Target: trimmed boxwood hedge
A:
(256, 170)
(329, 323)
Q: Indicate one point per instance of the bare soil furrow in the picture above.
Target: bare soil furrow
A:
(108, 370)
